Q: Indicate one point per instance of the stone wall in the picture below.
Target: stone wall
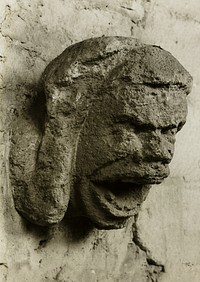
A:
(164, 243)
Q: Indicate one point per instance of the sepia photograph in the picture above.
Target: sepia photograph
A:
(99, 141)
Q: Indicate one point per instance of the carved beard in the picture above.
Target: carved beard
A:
(109, 205)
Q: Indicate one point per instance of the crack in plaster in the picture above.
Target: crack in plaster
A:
(7, 13)
(154, 268)
(21, 18)
(20, 44)
(127, 8)
(3, 264)
(6, 36)
(33, 53)
(184, 17)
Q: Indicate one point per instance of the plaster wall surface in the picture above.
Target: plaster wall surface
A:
(32, 33)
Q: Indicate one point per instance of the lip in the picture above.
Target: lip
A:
(115, 192)
(129, 172)
(120, 190)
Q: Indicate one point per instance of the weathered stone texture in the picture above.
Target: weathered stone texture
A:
(32, 33)
(111, 109)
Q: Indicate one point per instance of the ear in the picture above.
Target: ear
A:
(40, 163)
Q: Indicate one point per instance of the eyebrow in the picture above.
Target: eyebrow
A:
(126, 118)
(138, 123)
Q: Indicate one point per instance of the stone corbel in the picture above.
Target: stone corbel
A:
(112, 108)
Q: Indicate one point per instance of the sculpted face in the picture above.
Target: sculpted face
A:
(102, 132)
(125, 146)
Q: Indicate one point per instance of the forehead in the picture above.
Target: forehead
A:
(142, 104)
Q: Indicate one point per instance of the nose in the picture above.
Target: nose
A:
(158, 147)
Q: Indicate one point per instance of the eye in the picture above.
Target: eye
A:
(171, 129)
(122, 119)
(143, 127)
(180, 125)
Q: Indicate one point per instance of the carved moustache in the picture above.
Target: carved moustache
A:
(130, 172)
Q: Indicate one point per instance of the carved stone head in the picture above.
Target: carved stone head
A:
(113, 108)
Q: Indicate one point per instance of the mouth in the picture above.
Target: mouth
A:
(109, 204)
(120, 190)
(120, 198)
(114, 193)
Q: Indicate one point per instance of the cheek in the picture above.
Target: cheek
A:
(97, 148)
(127, 143)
